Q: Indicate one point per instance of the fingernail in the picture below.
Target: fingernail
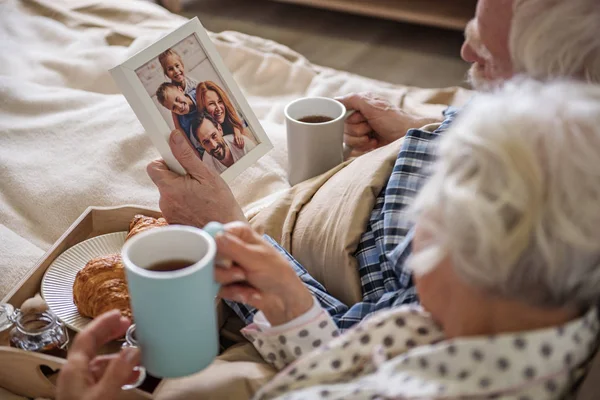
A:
(130, 353)
(256, 297)
(224, 263)
(239, 276)
(178, 138)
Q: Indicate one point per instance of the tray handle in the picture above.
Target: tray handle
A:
(25, 376)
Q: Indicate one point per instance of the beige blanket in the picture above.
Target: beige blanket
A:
(69, 140)
(320, 221)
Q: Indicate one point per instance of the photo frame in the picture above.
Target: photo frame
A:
(182, 74)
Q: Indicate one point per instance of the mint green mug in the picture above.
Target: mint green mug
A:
(174, 311)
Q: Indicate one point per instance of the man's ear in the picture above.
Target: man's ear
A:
(220, 128)
(180, 88)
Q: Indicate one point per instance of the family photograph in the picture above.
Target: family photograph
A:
(191, 97)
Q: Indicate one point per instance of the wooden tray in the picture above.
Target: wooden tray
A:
(26, 376)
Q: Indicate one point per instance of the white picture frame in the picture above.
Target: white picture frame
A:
(128, 77)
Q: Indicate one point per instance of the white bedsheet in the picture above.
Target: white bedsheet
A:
(69, 140)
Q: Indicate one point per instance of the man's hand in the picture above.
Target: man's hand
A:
(259, 276)
(87, 376)
(197, 198)
(375, 123)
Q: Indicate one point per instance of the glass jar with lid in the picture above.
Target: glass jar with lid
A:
(40, 331)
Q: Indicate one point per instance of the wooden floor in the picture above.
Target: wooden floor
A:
(386, 50)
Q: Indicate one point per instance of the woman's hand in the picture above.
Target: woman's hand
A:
(259, 276)
(238, 139)
(197, 198)
(87, 376)
(375, 123)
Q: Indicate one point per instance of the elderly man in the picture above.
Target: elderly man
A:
(221, 151)
(544, 39)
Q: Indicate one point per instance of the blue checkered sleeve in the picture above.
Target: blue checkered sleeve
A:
(332, 305)
(386, 244)
(342, 315)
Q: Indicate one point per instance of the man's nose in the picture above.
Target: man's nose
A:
(469, 54)
(466, 52)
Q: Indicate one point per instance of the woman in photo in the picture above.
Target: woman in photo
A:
(216, 103)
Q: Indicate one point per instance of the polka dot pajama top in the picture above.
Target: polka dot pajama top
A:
(402, 354)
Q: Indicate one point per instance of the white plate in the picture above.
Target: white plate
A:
(57, 284)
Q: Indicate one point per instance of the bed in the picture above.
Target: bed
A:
(69, 140)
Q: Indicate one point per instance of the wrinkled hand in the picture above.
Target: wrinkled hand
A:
(87, 376)
(197, 198)
(238, 139)
(375, 123)
(260, 276)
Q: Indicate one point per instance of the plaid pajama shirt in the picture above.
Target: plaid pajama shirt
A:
(386, 244)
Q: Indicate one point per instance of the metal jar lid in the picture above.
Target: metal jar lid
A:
(6, 312)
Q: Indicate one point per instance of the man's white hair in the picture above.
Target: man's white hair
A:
(514, 199)
(556, 39)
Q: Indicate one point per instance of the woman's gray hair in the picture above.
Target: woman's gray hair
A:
(514, 199)
(556, 39)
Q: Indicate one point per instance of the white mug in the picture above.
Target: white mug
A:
(314, 148)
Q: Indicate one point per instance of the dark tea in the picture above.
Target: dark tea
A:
(315, 119)
(170, 265)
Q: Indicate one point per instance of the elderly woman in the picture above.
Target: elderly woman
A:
(506, 262)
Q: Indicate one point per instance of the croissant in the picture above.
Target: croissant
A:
(140, 223)
(101, 286)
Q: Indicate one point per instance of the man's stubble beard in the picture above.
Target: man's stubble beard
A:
(223, 152)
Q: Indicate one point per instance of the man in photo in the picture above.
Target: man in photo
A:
(220, 151)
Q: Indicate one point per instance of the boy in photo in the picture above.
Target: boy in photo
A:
(182, 106)
(221, 152)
